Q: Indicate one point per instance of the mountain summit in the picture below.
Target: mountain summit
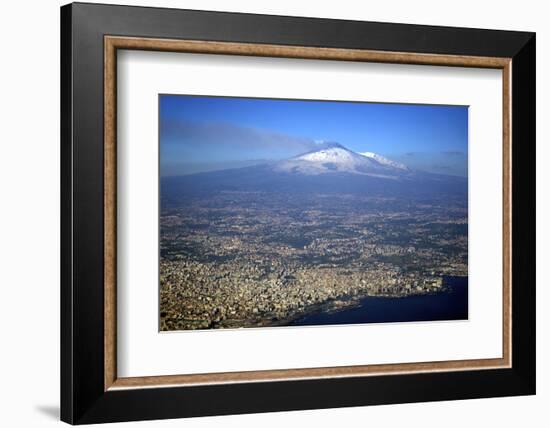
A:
(385, 161)
(330, 168)
(335, 158)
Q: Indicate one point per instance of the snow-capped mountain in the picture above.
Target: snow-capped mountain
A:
(385, 161)
(330, 168)
(335, 158)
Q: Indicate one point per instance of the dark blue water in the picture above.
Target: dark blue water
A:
(446, 305)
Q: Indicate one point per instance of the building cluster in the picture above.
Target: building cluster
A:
(234, 294)
(255, 262)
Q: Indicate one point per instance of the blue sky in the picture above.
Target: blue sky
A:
(207, 133)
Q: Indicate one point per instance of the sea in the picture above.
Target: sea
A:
(449, 304)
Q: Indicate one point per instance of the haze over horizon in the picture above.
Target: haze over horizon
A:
(199, 134)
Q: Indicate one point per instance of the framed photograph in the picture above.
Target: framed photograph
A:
(265, 213)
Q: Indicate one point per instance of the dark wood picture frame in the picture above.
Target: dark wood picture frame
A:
(90, 36)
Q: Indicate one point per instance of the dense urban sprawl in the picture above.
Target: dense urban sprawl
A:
(242, 259)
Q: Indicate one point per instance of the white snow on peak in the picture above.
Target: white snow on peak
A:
(335, 158)
(338, 155)
(384, 161)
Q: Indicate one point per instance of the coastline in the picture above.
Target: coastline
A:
(346, 303)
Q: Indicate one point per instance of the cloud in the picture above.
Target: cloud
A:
(223, 133)
(440, 167)
(437, 162)
(178, 168)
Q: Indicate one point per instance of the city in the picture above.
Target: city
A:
(251, 258)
